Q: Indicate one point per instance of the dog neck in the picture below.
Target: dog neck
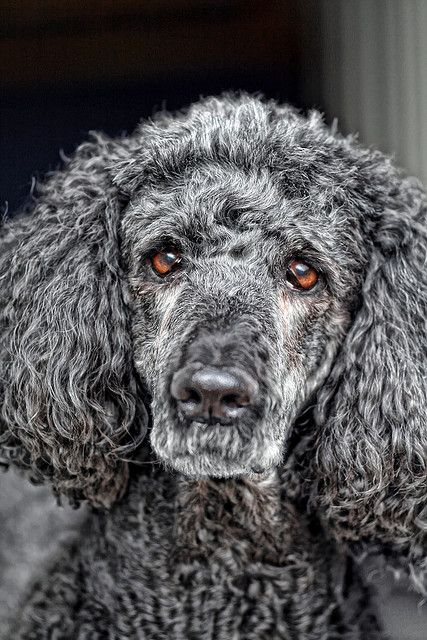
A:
(244, 518)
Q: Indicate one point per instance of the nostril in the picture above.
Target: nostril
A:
(190, 396)
(234, 400)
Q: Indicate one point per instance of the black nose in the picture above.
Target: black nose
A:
(211, 394)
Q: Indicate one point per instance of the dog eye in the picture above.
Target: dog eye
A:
(165, 261)
(301, 275)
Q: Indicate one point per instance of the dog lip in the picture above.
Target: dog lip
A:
(210, 424)
(258, 469)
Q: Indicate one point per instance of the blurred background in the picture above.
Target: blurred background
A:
(70, 66)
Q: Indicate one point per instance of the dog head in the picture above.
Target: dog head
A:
(243, 277)
(219, 269)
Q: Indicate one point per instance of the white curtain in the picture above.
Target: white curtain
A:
(375, 74)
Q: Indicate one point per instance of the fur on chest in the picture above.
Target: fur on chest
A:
(242, 519)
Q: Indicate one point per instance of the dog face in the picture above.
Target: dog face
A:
(241, 295)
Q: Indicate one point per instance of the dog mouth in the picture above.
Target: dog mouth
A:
(214, 464)
(201, 450)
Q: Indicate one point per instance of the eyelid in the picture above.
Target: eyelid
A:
(155, 243)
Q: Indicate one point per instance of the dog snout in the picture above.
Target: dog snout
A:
(213, 394)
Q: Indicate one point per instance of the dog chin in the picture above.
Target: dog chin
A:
(201, 451)
(208, 466)
(214, 465)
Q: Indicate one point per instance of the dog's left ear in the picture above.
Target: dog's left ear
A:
(70, 406)
(371, 450)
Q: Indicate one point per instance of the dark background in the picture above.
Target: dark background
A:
(72, 66)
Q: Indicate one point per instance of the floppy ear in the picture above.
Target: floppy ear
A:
(371, 450)
(68, 394)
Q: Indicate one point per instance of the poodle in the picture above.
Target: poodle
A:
(213, 332)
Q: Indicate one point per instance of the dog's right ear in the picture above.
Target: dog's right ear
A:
(370, 458)
(68, 394)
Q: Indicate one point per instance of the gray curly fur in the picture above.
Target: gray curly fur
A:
(243, 532)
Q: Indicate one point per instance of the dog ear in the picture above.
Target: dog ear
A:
(371, 450)
(68, 393)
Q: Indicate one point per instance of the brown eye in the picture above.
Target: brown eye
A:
(165, 261)
(301, 275)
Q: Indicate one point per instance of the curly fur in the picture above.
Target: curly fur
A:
(68, 383)
(245, 531)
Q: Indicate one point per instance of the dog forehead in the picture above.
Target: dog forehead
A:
(217, 203)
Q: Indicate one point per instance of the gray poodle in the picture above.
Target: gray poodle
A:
(214, 332)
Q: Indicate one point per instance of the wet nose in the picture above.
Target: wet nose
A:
(213, 394)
